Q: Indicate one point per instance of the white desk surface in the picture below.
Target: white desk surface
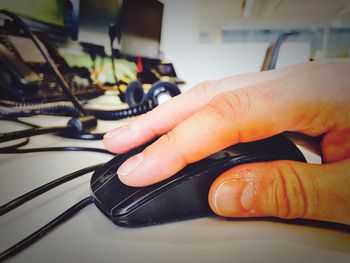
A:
(91, 237)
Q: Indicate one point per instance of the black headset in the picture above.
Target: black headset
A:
(135, 95)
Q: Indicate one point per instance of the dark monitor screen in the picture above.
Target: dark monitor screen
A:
(142, 18)
(141, 26)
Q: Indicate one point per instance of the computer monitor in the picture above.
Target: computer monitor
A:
(58, 18)
(95, 16)
(141, 26)
(139, 21)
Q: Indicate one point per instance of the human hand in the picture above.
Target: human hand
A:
(312, 99)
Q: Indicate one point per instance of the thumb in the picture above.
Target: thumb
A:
(284, 189)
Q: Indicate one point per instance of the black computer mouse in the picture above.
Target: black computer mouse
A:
(185, 194)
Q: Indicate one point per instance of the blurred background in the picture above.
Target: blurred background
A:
(210, 39)
(203, 39)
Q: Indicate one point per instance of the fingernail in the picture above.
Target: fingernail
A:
(130, 165)
(115, 132)
(234, 197)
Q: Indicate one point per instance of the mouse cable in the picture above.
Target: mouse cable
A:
(25, 123)
(9, 136)
(4, 209)
(14, 150)
(15, 119)
(74, 125)
(16, 145)
(80, 136)
(26, 242)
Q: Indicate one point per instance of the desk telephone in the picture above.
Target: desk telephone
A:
(25, 76)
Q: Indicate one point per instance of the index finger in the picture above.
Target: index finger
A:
(166, 116)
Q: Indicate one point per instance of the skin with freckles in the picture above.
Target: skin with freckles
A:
(312, 99)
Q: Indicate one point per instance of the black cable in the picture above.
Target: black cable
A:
(57, 107)
(144, 107)
(26, 123)
(64, 85)
(18, 114)
(22, 109)
(112, 33)
(82, 136)
(15, 146)
(9, 136)
(24, 243)
(113, 64)
(4, 209)
(13, 149)
(14, 119)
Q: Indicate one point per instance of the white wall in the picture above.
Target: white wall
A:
(196, 62)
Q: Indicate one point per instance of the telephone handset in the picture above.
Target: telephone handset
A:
(22, 72)
(25, 76)
(16, 78)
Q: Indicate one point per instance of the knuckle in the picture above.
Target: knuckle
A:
(171, 141)
(289, 198)
(205, 90)
(232, 106)
(142, 121)
(206, 86)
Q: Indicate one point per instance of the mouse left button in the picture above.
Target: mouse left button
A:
(107, 189)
